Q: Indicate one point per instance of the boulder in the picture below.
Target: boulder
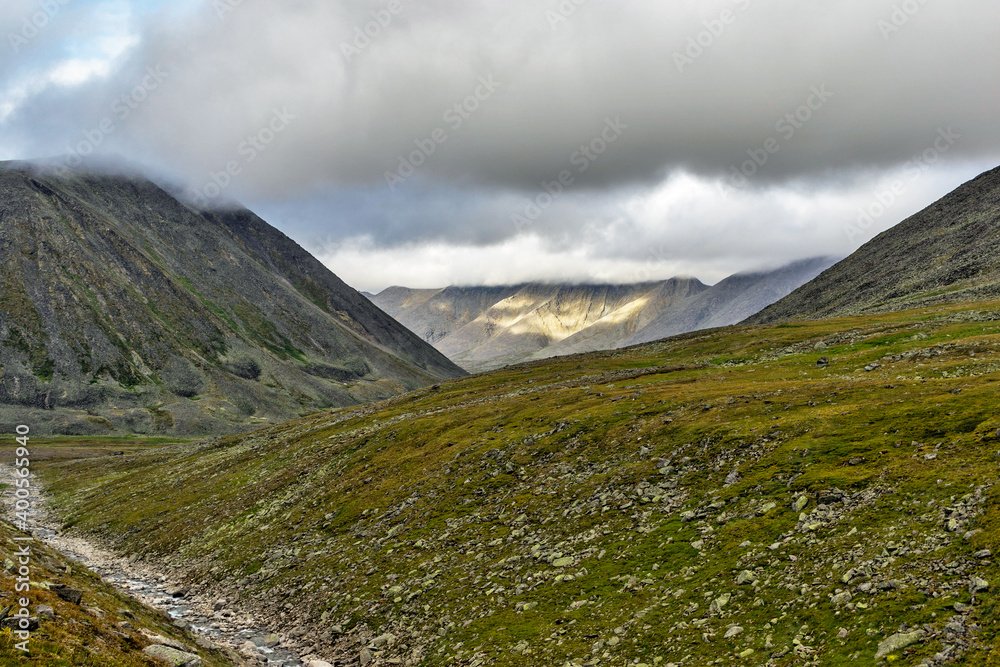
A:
(898, 642)
(163, 641)
(172, 656)
(14, 623)
(249, 650)
(70, 595)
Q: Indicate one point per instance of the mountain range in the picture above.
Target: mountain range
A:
(124, 309)
(482, 328)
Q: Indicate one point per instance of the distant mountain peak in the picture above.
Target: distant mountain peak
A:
(481, 328)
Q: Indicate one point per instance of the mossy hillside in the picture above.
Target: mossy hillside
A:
(84, 634)
(631, 507)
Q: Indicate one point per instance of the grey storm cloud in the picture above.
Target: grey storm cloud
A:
(503, 94)
(413, 123)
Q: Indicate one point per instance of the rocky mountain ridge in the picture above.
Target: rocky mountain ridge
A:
(946, 253)
(482, 328)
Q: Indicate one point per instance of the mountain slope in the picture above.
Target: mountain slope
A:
(486, 327)
(124, 309)
(723, 497)
(945, 253)
(621, 324)
(731, 300)
(482, 328)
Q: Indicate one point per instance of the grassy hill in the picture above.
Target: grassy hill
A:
(802, 494)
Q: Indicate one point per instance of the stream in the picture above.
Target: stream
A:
(144, 583)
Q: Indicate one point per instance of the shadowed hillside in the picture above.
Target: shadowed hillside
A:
(125, 310)
(949, 252)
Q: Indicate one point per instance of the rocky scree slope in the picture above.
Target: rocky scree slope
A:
(811, 494)
(946, 253)
(124, 310)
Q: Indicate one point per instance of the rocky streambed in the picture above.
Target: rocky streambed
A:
(210, 619)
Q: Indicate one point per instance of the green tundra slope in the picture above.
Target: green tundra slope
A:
(804, 494)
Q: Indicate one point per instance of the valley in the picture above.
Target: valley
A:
(809, 493)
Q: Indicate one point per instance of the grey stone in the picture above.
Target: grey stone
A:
(14, 623)
(720, 602)
(979, 585)
(842, 598)
(70, 595)
(249, 650)
(172, 656)
(898, 642)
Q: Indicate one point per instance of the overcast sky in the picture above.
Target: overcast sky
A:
(434, 142)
